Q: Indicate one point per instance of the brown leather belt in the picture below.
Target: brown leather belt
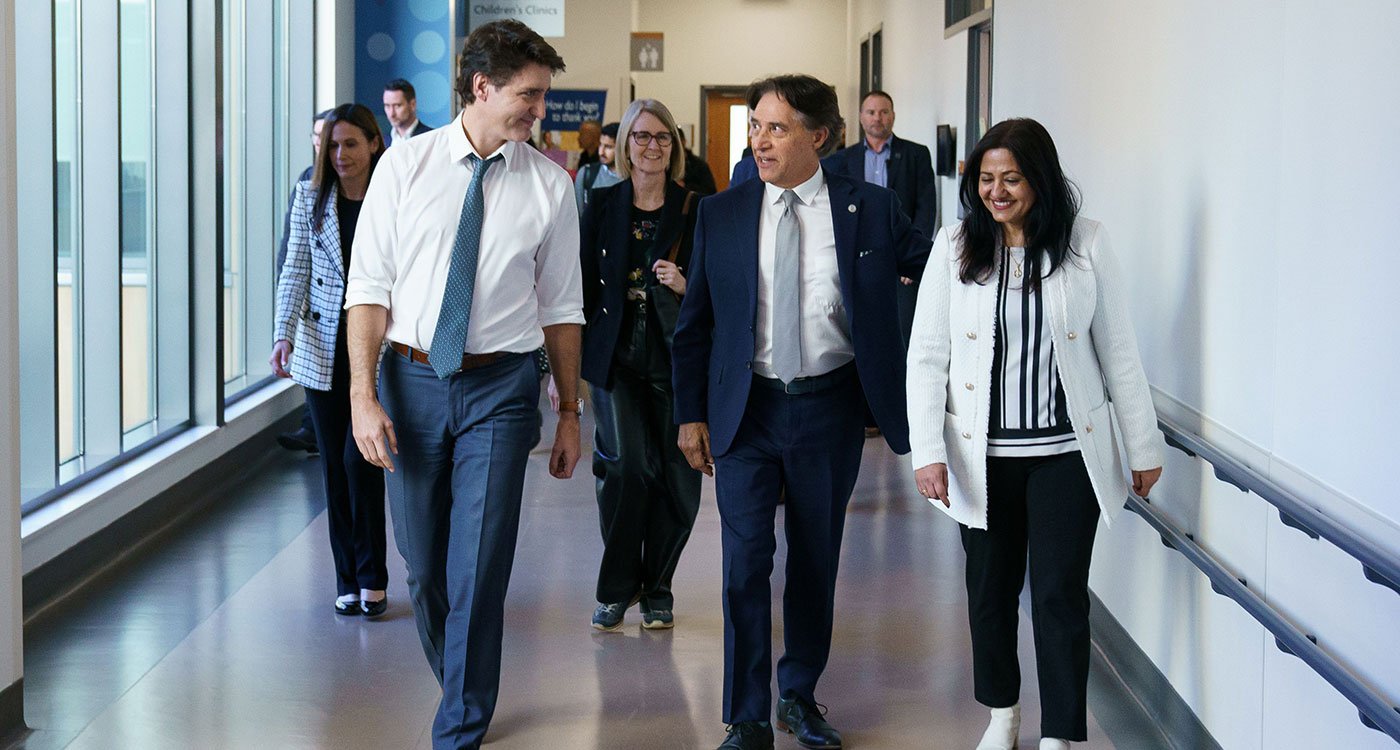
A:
(469, 361)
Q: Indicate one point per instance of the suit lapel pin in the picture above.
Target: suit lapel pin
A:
(851, 208)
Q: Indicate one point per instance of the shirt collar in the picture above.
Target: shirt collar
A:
(888, 143)
(408, 131)
(806, 192)
(459, 147)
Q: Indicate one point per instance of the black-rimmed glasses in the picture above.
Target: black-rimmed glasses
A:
(643, 138)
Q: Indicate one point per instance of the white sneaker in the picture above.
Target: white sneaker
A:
(1051, 743)
(1003, 729)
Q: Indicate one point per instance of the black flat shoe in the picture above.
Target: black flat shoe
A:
(748, 735)
(374, 609)
(805, 720)
(299, 440)
(347, 609)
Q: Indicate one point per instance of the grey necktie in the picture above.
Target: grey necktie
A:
(787, 293)
(450, 337)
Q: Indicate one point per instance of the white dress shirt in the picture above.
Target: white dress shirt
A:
(528, 272)
(825, 330)
(403, 135)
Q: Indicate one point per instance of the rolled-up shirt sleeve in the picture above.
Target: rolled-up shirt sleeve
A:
(370, 278)
(558, 278)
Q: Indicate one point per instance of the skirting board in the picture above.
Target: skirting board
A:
(1117, 655)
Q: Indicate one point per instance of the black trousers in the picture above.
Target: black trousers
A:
(648, 499)
(354, 486)
(1044, 506)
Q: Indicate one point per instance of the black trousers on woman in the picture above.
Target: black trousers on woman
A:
(354, 486)
(648, 511)
(1045, 506)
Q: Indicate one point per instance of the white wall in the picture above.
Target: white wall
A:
(594, 48)
(11, 627)
(733, 42)
(1242, 157)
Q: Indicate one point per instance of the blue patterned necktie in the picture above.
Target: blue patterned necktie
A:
(787, 293)
(450, 336)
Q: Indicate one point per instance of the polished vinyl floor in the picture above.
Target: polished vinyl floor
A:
(223, 636)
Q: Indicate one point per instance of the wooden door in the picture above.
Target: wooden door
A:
(718, 105)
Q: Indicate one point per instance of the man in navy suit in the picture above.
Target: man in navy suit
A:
(902, 166)
(401, 107)
(789, 327)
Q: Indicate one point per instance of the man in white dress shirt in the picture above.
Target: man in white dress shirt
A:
(466, 259)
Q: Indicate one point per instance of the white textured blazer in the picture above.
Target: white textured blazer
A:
(311, 290)
(950, 372)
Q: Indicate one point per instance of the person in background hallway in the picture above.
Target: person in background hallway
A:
(600, 173)
(745, 169)
(697, 177)
(589, 133)
(309, 346)
(466, 260)
(401, 107)
(788, 327)
(304, 437)
(1021, 339)
(631, 298)
(903, 166)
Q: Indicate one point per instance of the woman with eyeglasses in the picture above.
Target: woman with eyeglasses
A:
(310, 295)
(1021, 339)
(635, 243)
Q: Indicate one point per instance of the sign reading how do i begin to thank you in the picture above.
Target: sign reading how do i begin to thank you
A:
(546, 17)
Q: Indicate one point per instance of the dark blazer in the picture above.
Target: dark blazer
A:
(712, 356)
(744, 170)
(604, 247)
(910, 177)
(418, 129)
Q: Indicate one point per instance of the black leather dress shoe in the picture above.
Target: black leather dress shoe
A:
(374, 609)
(748, 735)
(805, 720)
(299, 440)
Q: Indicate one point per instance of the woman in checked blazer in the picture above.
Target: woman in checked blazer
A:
(1021, 342)
(309, 347)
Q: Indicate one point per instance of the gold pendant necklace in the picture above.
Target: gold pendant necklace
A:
(1017, 271)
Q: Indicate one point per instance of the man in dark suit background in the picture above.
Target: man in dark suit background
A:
(902, 166)
(789, 326)
(401, 107)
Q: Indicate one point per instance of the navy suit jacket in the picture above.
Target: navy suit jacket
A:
(604, 247)
(713, 349)
(418, 129)
(910, 177)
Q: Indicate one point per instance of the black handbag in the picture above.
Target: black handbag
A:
(664, 302)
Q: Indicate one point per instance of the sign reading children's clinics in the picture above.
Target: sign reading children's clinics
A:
(648, 52)
(546, 17)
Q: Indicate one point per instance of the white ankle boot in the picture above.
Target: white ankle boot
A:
(1050, 743)
(1003, 729)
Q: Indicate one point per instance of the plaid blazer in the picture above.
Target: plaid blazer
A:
(311, 290)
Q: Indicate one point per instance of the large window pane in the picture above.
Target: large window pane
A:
(137, 236)
(235, 186)
(68, 214)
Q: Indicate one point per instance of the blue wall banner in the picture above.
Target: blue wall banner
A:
(408, 39)
(564, 109)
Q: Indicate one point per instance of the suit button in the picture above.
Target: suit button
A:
(748, 365)
(968, 386)
(967, 435)
(315, 316)
(320, 282)
(972, 335)
(605, 252)
(1072, 336)
(605, 311)
(1089, 428)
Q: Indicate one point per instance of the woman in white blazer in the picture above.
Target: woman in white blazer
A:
(309, 347)
(1021, 342)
